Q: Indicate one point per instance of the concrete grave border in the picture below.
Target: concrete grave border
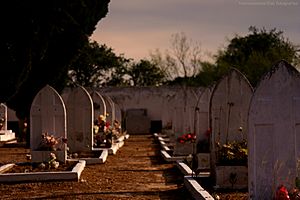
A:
(195, 189)
(89, 160)
(73, 175)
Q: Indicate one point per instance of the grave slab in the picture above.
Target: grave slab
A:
(195, 189)
(167, 157)
(73, 175)
(89, 160)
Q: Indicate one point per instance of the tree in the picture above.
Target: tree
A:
(95, 65)
(207, 75)
(38, 46)
(255, 53)
(145, 73)
(183, 60)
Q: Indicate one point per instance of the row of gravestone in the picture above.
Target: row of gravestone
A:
(266, 118)
(165, 106)
(67, 117)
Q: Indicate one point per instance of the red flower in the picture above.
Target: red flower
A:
(187, 137)
(282, 193)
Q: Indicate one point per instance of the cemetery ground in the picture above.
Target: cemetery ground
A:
(137, 171)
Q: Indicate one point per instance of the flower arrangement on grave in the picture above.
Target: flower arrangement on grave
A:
(52, 163)
(282, 193)
(108, 135)
(103, 132)
(232, 153)
(50, 143)
(187, 138)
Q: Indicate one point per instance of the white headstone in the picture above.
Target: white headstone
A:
(184, 105)
(98, 103)
(118, 113)
(110, 109)
(47, 114)
(80, 117)
(184, 119)
(5, 135)
(229, 107)
(3, 116)
(201, 124)
(274, 132)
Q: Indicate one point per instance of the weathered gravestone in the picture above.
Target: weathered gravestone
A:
(5, 135)
(3, 117)
(118, 113)
(184, 119)
(47, 116)
(80, 117)
(201, 114)
(110, 109)
(202, 129)
(184, 106)
(229, 107)
(274, 132)
(98, 103)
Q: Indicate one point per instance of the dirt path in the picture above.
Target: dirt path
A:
(136, 172)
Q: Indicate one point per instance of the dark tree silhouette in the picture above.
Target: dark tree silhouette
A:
(39, 39)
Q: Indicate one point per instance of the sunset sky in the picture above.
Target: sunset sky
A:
(137, 27)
